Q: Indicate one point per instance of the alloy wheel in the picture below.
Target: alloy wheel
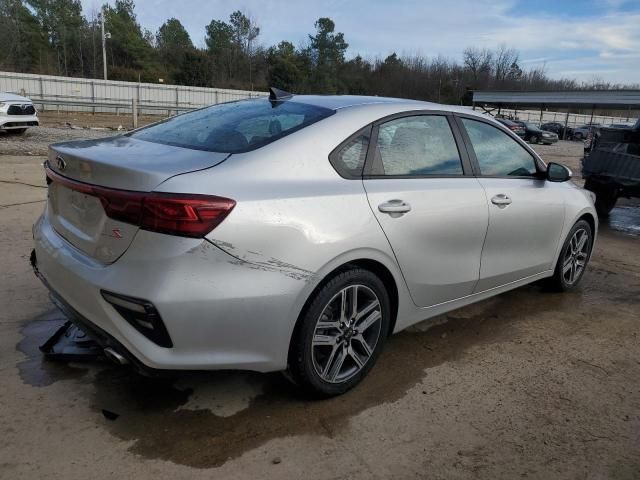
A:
(576, 255)
(346, 333)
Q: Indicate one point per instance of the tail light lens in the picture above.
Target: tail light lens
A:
(188, 215)
(171, 213)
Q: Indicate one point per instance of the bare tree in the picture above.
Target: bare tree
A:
(504, 59)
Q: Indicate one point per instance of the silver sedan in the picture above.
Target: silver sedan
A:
(298, 232)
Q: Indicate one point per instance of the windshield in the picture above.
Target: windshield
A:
(234, 127)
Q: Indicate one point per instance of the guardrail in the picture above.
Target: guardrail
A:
(134, 107)
(108, 96)
(118, 106)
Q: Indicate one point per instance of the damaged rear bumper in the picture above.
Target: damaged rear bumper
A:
(220, 312)
(64, 346)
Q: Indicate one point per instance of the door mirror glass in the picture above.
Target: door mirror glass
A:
(558, 173)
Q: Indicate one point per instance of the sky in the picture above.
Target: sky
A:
(578, 39)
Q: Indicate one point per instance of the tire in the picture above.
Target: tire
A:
(606, 197)
(17, 131)
(533, 139)
(330, 359)
(575, 255)
(578, 136)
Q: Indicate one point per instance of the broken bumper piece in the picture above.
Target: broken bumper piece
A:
(71, 343)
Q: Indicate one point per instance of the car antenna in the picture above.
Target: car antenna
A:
(277, 95)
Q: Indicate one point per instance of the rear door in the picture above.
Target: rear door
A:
(526, 213)
(432, 210)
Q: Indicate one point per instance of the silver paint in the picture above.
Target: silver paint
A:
(232, 300)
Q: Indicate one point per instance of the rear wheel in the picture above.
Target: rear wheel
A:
(341, 334)
(578, 136)
(533, 139)
(574, 257)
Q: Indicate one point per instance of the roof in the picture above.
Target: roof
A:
(335, 102)
(616, 99)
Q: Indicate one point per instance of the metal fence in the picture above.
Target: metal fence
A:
(574, 120)
(106, 96)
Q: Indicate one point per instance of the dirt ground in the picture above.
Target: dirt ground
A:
(528, 384)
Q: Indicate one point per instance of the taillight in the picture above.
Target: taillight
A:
(188, 215)
(171, 213)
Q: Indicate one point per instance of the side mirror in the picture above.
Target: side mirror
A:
(558, 173)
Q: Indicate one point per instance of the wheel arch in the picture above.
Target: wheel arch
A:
(367, 263)
(586, 215)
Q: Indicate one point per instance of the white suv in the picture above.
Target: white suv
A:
(17, 113)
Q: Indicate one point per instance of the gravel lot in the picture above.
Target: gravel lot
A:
(35, 141)
(528, 384)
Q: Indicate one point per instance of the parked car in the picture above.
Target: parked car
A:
(558, 129)
(612, 168)
(533, 134)
(297, 232)
(17, 113)
(513, 126)
(582, 132)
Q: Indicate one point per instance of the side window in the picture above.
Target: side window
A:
(348, 158)
(418, 145)
(498, 153)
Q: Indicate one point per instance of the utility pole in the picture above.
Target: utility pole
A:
(104, 43)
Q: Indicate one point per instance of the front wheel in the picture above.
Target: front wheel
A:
(574, 256)
(533, 139)
(606, 197)
(341, 334)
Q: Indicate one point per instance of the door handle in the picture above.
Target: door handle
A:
(501, 199)
(395, 207)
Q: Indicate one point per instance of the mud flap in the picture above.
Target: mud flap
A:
(71, 343)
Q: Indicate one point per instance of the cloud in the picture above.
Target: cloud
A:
(602, 42)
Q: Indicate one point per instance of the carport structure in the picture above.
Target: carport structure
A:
(625, 100)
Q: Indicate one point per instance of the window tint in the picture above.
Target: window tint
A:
(497, 152)
(234, 127)
(420, 145)
(348, 159)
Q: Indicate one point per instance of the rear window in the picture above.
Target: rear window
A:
(234, 127)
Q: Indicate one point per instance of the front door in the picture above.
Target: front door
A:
(526, 212)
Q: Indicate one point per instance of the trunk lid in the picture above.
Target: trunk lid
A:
(120, 163)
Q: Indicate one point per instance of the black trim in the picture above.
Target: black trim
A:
(335, 161)
(540, 165)
(19, 124)
(157, 333)
(24, 109)
(372, 156)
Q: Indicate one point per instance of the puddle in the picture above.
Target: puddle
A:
(625, 219)
(204, 419)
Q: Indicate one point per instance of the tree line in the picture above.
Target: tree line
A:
(54, 37)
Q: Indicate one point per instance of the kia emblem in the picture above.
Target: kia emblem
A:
(60, 163)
